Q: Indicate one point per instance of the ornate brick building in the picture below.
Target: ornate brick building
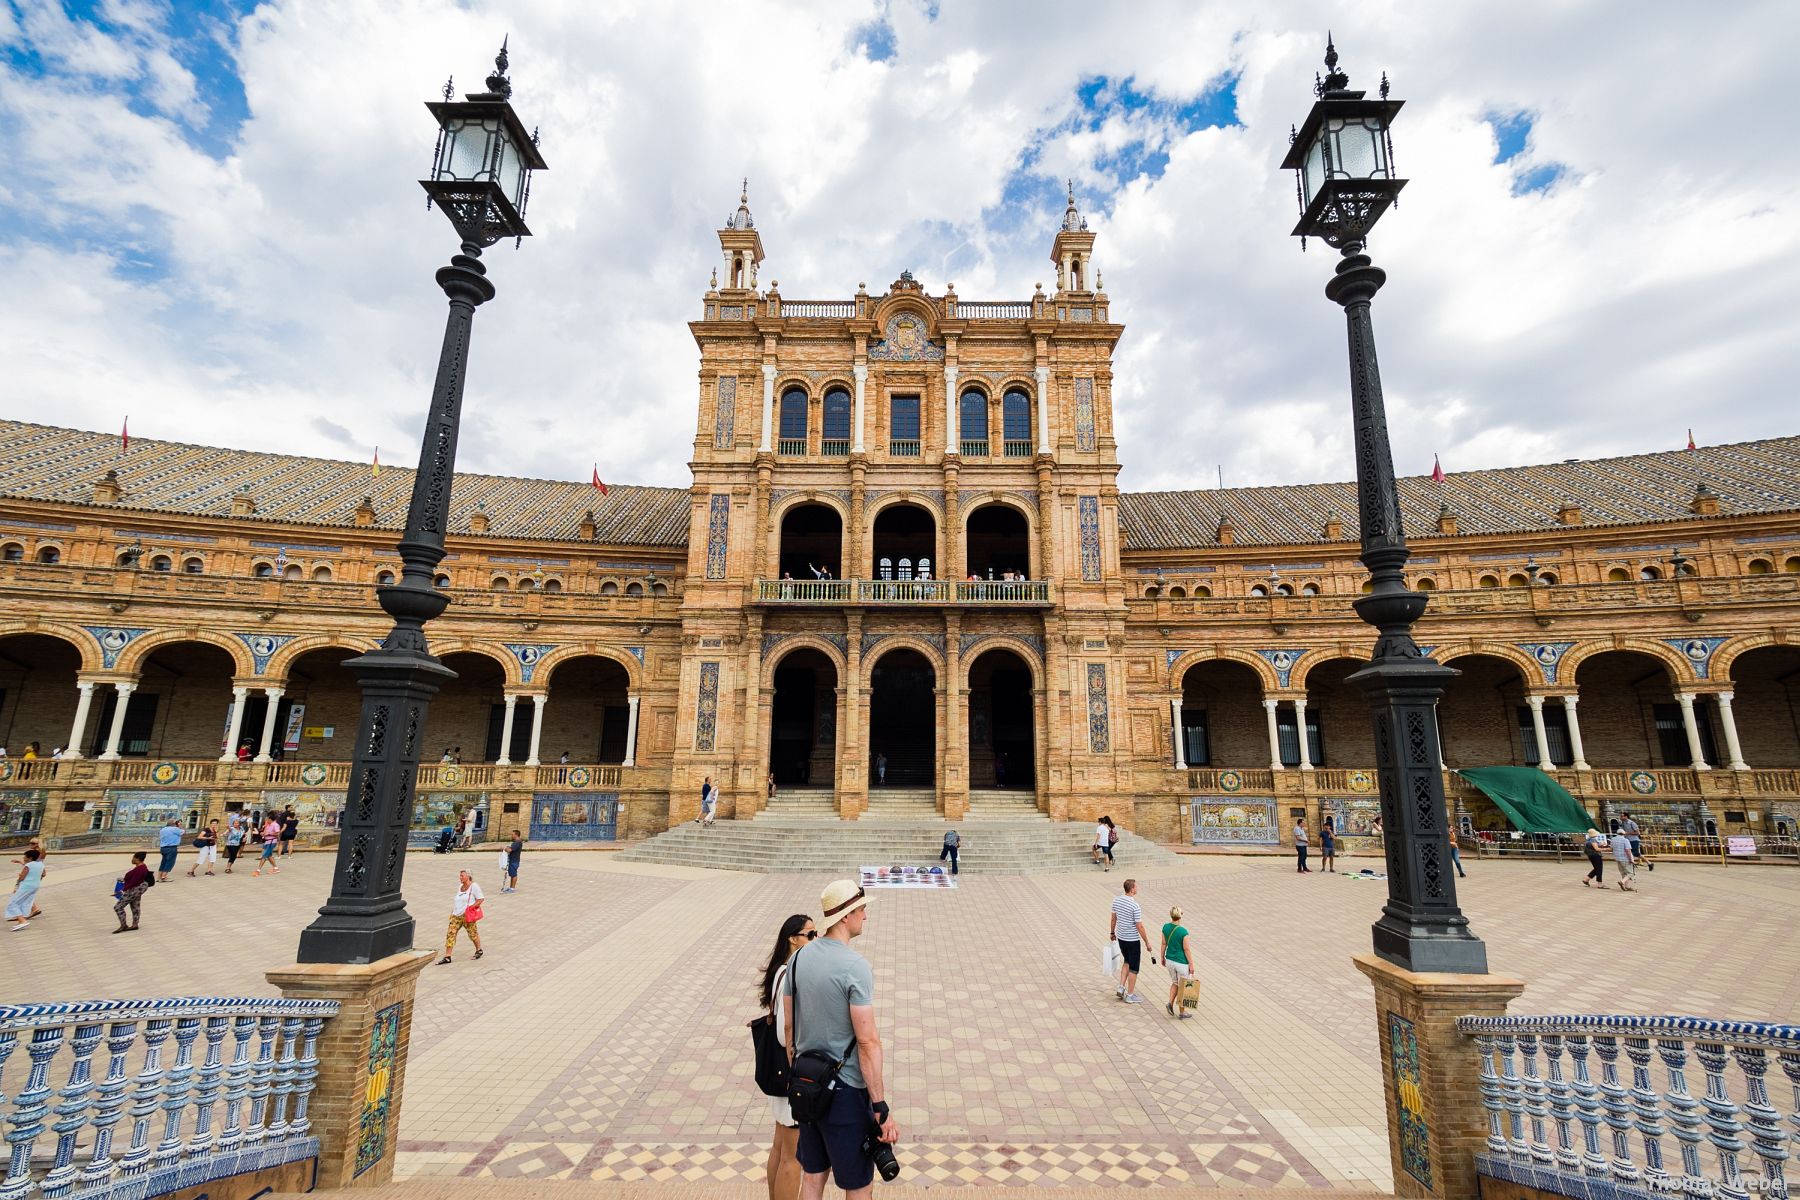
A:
(904, 580)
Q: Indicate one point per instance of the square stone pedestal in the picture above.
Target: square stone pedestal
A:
(355, 1108)
(1431, 1078)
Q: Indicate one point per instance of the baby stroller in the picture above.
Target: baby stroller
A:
(445, 841)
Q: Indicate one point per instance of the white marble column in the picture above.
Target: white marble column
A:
(768, 424)
(234, 727)
(1274, 734)
(1688, 723)
(537, 726)
(268, 735)
(1540, 733)
(861, 370)
(1575, 746)
(1175, 725)
(1306, 762)
(631, 735)
(117, 731)
(506, 730)
(82, 707)
(1734, 752)
(951, 432)
(1043, 409)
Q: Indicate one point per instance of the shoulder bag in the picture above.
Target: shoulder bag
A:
(813, 1075)
(771, 1055)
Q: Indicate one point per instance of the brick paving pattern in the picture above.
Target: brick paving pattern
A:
(601, 1038)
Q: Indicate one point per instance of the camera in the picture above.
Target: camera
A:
(885, 1163)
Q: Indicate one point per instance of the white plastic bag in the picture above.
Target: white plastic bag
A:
(1110, 961)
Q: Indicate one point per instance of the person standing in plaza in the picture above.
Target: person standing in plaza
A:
(206, 848)
(783, 1169)
(129, 891)
(1596, 845)
(234, 839)
(1300, 847)
(43, 860)
(465, 913)
(169, 842)
(1621, 852)
(290, 829)
(23, 904)
(1175, 956)
(952, 843)
(1127, 928)
(271, 834)
(1636, 836)
(1328, 845)
(514, 850)
(831, 994)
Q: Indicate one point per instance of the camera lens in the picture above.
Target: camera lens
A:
(886, 1165)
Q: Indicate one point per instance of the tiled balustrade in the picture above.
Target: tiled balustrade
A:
(242, 1107)
(1575, 1107)
(1003, 592)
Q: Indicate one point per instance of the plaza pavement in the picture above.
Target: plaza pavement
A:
(602, 1036)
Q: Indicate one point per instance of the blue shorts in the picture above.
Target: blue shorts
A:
(268, 849)
(835, 1144)
(168, 859)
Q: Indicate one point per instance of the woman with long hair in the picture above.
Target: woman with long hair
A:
(783, 1167)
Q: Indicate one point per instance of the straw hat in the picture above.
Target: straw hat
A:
(840, 898)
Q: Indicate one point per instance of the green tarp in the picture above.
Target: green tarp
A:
(1531, 800)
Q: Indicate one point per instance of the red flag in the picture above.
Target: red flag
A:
(1691, 445)
(125, 437)
(1437, 472)
(598, 486)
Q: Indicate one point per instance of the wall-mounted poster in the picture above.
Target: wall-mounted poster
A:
(1234, 821)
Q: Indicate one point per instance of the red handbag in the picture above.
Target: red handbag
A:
(473, 913)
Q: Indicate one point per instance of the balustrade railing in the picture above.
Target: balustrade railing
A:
(25, 770)
(258, 1062)
(1214, 779)
(834, 447)
(793, 446)
(1778, 781)
(572, 775)
(454, 775)
(992, 310)
(1003, 591)
(975, 448)
(903, 591)
(805, 591)
(1552, 1122)
(1679, 780)
(904, 447)
(335, 774)
(143, 770)
(818, 308)
(1016, 449)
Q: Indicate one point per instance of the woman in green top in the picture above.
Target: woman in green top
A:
(1175, 955)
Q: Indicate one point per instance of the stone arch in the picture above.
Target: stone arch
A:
(795, 382)
(83, 642)
(1313, 659)
(1529, 668)
(546, 666)
(914, 496)
(897, 641)
(801, 496)
(1726, 656)
(803, 641)
(970, 500)
(895, 304)
(1265, 674)
(283, 659)
(131, 659)
(1005, 641)
(509, 666)
(1680, 670)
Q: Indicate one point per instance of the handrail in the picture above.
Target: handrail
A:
(818, 308)
(580, 775)
(993, 310)
(902, 591)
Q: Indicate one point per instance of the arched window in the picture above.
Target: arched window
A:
(1178, 592)
(905, 568)
(49, 554)
(293, 572)
(1310, 589)
(793, 421)
(12, 552)
(634, 589)
(1649, 572)
(1761, 566)
(1152, 592)
(1259, 590)
(975, 422)
(162, 562)
(1547, 578)
(1517, 579)
(193, 566)
(526, 583)
(1015, 424)
(1618, 575)
(384, 578)
(609, 588)
(553, 585)
(1203, 593)
(321, 574)
(924, 568)
(1426, 584)
(836, 430)
(501, 583)
(1285, 589)
(886, 568)
(659, 589)
(1792, 565)
(126, 559)
(1488, 581)
(442, 581)
(263, 570)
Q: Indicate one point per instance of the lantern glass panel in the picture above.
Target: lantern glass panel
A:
(1358, 149)
(467, 153)
(1312, 173)
(511, 175)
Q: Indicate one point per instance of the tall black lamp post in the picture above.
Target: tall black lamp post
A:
(1343, 163)
(481, 178)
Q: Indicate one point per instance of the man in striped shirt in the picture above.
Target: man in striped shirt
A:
(1128, 930)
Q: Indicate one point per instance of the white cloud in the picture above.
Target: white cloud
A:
(288, 303)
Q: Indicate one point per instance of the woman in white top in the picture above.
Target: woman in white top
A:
(783, 1168)
(468, 896)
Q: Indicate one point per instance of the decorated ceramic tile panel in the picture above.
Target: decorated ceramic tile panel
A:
(1088, 508)
(706, 720)
(718, 536)
(1099, 721)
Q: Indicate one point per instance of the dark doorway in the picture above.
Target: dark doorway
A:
(1001, 722)
(905, 539)
(903, 720)
(587, 714)
(999, 542)
(803, 721)
(812, 538)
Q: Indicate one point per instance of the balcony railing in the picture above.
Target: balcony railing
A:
(992, 310)
(454, 775)
(586, 775)
(1003, 591)
(818, 308)
(143, 770)
(1016, 449)
(975, 448)
(805, 591)
(1211, 779)
(834, 447)
(904, 447)
(1021, 592)
(791, 446)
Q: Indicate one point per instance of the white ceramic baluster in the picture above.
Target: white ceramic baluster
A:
(109, 1102)
(284, 1079)
(261, 1077)
(306, 1079)
(71, 1114)
(237, 1084)
(30, 1107)
(1490, 1096)
(1646, 1105)
(136, 1159)
(1514, 1093)
(175, 1092)
(1790, 1066)
(1617, 1111)
(206, 1095)
(1562, 1103)
(1721, 1118)
(1587, 1101)
(1536, 1106)
(1765, 1122)
(1684, 1110)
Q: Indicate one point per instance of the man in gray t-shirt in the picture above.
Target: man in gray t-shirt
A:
(830, 977)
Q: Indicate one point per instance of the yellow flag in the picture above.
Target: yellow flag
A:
(375, 469)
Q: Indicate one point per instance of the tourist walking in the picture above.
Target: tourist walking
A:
(290, 829)
(1456, 857)
(129, 891)
(465, 912)
(1636, 835)
(783, 1168)
(169, 842)
(831, 990)
(23, 904)
(271, 834)
(1127, 928)
(1175, 956)
(1595, 843)
(206, 848)
(1102, 830)
(234, 840)
(43, 860)
(881, 768)
(709, 802)
(1621, 852)
(1328, 845)
(952, 842)
(1300, 847)
(514, 849)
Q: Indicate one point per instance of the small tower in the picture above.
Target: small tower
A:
(742, 245)
(1073, 250)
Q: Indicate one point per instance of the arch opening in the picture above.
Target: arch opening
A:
(1766, 707)
(1002, 722)
(999, 543)
(803, 720)
(587, 716)
(37, 692)
(1483, 720)
(903, 720)
(1629, 715)
(904, 536)
(1222, 724)
(179, 708)
(1341, 714)
(465, 716)
(812, 541)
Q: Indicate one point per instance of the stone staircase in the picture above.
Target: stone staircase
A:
(1024, 845)
(919, 804)
(803, 802)
(1001, 803)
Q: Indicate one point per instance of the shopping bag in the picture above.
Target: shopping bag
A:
(1190, 993)
(1110, 961)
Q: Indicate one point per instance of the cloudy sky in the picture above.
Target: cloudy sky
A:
(212, 225)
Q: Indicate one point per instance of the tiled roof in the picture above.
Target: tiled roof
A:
(1748, 477)
(43, 462)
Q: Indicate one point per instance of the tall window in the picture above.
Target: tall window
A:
(1556, 732)
(1194, 744)
(1015, 423)
(1672, 734)
(793, 421)
(903, 426)
(974, 422)
(1287, 735)
(837, 422)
